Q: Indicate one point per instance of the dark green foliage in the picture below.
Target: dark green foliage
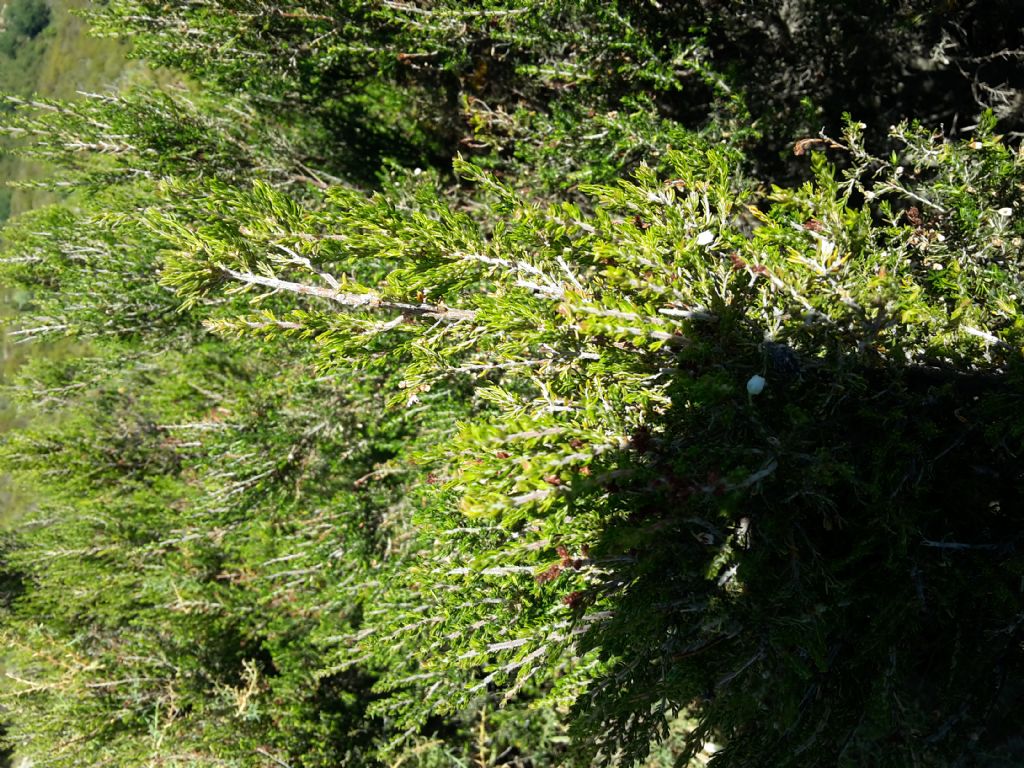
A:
(26, 18)
(765, 532)
(802, 65)
(754, 70)
(473, 384)
(23, 20)
(410, 82)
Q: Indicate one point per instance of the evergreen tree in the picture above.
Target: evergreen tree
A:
(447, 382)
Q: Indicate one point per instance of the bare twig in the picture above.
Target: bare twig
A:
(369, 300)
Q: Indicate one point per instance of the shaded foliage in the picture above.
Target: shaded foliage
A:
(433, 70)
(23, 20)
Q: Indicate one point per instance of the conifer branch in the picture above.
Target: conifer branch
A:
(364, 301)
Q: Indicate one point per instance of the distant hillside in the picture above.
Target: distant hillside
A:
(56, 62)
(44, 50)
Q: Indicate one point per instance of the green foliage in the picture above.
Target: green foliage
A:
(417, 83)
(143, 135)
(618, 462)
(752, 70)
(22, 22)
(26, 17)
(59, 63)
(451, 385)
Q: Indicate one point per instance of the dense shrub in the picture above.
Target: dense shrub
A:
(406, 81)
(476, 384)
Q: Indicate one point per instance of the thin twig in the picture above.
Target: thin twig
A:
(369, 300)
